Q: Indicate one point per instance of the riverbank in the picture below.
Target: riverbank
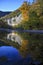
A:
(18, 30)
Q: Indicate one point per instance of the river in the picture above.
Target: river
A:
(15, 46)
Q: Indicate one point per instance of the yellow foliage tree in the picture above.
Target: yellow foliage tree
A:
(25, 11)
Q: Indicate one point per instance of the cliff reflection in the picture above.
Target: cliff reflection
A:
(27, 43)
(14, 37)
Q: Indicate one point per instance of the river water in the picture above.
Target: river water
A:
(15, 46)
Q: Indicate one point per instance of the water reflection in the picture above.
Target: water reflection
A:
(29, 43)
(14, 37)
(9, 55)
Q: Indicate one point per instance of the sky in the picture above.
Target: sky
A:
(11, 5)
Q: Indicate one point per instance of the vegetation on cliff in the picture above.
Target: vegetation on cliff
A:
(34, 14)
(35, 17)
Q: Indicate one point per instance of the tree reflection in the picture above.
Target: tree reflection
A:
(33, 45)
(27, 43)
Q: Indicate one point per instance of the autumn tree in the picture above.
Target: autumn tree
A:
(25, 10)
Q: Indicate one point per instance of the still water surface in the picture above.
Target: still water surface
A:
(15, 46)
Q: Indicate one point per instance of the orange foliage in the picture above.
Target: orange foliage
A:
(24, 48)
(25, 11)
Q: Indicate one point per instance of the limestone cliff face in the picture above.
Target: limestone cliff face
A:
(16, 17)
